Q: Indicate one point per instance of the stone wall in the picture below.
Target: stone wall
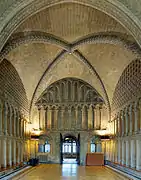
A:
(13, 113)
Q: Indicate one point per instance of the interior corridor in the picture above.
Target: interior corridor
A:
(69, 171)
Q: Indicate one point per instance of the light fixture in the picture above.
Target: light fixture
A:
(36, 132)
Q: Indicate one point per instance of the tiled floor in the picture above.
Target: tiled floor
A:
(69, 161)
(69, 172)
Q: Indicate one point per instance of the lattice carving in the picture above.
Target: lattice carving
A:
(128, 86)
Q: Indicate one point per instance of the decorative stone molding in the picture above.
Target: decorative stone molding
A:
(21, 10)
(37, 36)
(62, 92)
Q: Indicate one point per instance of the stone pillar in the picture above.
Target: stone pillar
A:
(84, 117)
(18, 152)
(98, 117)
(39, 111)
(131, 115)
(4, 154)
(116, 126)
(133, 154)
(45, 111)
(18, 124)
(55, 118)
(127, 154)
(11, 122)
(116, 151)
(14, 123)
(137, 116)
(70, 117)
(79, 118)
(21, 152)
(90, 117)
(14, 152)
(62, 117)
(122, 123)
(49, 117)
(119, 151)
(138, 155)
(118, 121)
(5, 118)
(42, 117)
(10, 152)
(126, 121)
(123, 152)
(76, 117)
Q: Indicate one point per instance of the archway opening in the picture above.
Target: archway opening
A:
(70, 150)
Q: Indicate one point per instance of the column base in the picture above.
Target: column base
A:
(138, 168)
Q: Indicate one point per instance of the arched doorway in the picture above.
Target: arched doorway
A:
(70, 149)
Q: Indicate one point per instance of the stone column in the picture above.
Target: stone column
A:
(14, 152)
(83, 117)
(62, 117)
(127, 154)
(137, 116)
(98, 117)
(131, 115)
(14, 123)
(21, 152)
(76, 117)
(138, 155)
(5, 118)
(133, 154)
(79, 115)
(49, 116)
(70, 117)
(116, 126)
(42, 118)
(11, 122)
(45, 111)
(55, 118)
(116, 151)
(123, 152)
(4, 154)
(18, 123)
(119, 151)
(8, 120)
(118, 121)
(39, 111)
(10, 152)
(126, 121)
(90, 117)
(18, 152)
(122, 123)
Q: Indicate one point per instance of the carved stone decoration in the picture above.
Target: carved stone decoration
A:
(70, 96)
(69, 91)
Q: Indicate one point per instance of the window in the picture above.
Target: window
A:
(47, 147)
(93, 147)
(43, 148)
